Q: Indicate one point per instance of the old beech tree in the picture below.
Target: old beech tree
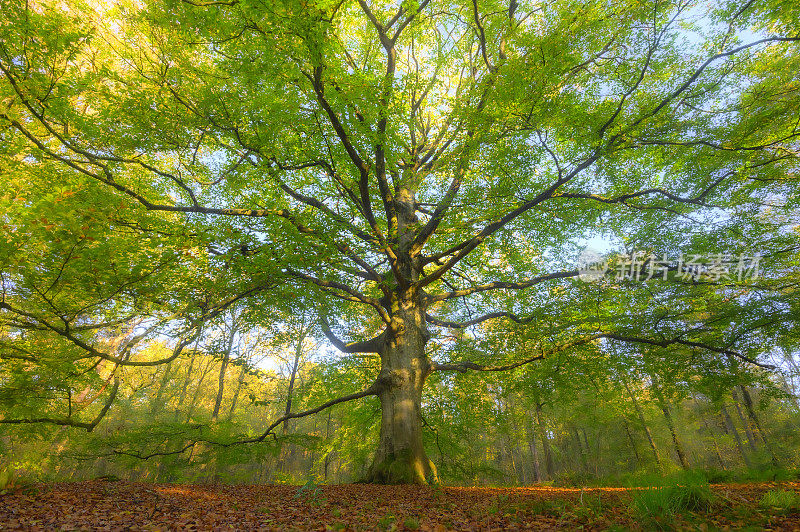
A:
(412, 168)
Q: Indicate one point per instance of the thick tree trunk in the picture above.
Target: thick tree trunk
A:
(401, 456)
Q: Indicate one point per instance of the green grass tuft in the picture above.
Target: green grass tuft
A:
(412, 523)
(786, 500)
(688, 492)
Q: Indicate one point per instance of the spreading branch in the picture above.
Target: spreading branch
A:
(374, 389)
(373, 345)
(69, 422)
(504, 285)
(464, 366)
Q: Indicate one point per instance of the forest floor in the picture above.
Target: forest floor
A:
(110, 505)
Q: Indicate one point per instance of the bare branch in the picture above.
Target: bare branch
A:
(386, 94)
(334, 287)
(650, 51)
(373, 345)
(696, 74)
(344, 137)
(68, 333)
(464, 324)
(505, 285)
(467, 365)
(462, 250)
(688, 343)
(374, 389)
(464, 366)
(481, 35)
(622, 198)
(211, 3)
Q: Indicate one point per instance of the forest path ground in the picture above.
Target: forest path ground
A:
(106, 505)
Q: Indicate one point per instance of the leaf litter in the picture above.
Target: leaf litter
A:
(119, 505)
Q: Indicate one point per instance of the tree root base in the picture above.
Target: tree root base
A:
(402, 468)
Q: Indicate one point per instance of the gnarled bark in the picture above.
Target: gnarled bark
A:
(401, 456)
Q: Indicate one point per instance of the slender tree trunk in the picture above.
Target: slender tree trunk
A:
(732, 430)
(298, 353)
(537, 473)
(220, 385)
(711, 433)
(185, 385)
(791, 387)
(716, 445)
(751, 440)
(156, 405)
(287, 451)
(581, 451)
(197, 390)
(548, 453)
(521, 472)
(791, 391)
(327, 438)
(643, 422)
(675, 441)
(509, 450)
(236, 393)
(751, 413)
(662, 403)
(631, 440)
(596, 457)
(664, 406)
(313, 453)
(585, 441)
(226, 358)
